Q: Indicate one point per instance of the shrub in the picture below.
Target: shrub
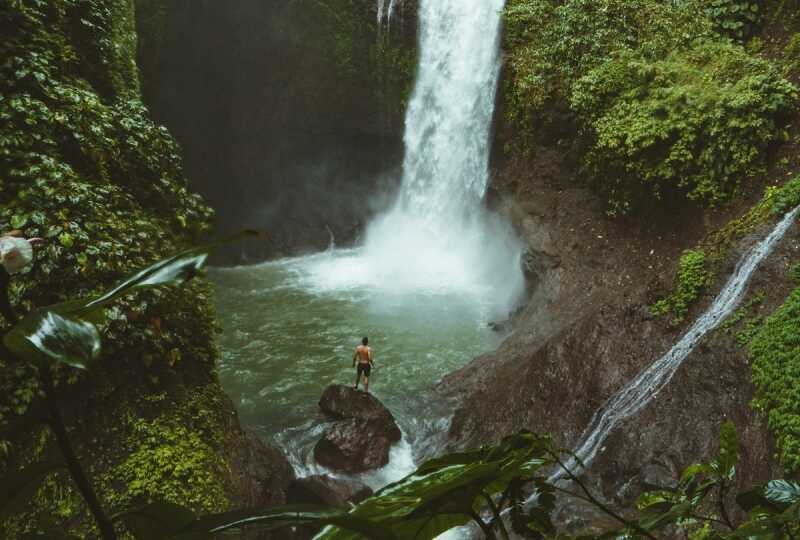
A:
(695, 123)
(775, 361)
(693, 277)
(736, 19)
(552, 44)
(791, 56)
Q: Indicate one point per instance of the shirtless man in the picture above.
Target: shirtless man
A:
(364, 356)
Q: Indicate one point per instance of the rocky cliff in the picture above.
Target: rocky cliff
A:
(612, 285)
(83, 165)
(290, 114)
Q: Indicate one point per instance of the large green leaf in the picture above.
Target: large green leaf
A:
(17, 488)
(452, 490)
(724, 463)
(66, 332)
(282, 516)
(444, 492)
(782, 491)
(46, 335)
(176, 269)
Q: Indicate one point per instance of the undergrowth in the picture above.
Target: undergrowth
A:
(775, 360)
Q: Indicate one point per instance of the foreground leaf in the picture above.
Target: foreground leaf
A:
(282, 516)
(724, 463)
(46, 335)
(782, 491)
(176, 269)
(66, 333)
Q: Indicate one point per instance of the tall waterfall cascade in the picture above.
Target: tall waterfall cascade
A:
(634, 396)
(438, 236)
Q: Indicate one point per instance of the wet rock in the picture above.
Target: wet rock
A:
(356, 445)
(655, 476)
(362, 439)
(344, 402)
(326, 490)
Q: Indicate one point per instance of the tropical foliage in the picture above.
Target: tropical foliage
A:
(661, 103)
(697, 122)
(693, 277)
(775, 362)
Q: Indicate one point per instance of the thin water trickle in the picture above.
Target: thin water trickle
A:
(634, 396)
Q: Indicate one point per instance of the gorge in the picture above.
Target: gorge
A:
(574, 218)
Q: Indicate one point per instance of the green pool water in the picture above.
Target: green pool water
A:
(290, 328)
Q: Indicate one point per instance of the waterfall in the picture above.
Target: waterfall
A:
(438, 236)
(645, 387)
(385, 11)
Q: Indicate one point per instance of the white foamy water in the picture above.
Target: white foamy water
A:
(385, 11)
(634, 396)
(438, 236)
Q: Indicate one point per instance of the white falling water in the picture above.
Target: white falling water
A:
(385, 11)
(646, 386)
(438, 237)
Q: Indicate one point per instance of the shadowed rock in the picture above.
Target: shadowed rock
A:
(326, 490)
(362, 439)
(355, 445)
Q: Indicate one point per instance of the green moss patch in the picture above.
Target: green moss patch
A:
(775, 360)
(693, 278)
(167, 461)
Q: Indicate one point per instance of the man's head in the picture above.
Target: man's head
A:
(364, 340)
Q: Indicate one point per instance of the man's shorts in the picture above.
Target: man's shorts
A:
(364, 368)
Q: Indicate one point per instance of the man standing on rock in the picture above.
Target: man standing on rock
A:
(363, 355)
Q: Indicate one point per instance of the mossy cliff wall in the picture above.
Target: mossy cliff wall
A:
(83, 165)
(288, 112)
(641, 148)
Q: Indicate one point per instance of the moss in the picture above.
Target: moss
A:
(775, 359)
(175, 454)
(167, 461)
(791, 56)
(692, 279)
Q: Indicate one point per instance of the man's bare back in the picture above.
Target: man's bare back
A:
(364, 356)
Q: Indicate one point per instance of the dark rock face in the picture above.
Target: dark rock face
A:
(324, 489)
(290, 114)
(355, 445)
(587, 331)
(260, 471)
(361, 440)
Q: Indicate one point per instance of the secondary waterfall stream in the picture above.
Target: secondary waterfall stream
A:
(430, 275)
(634, 396)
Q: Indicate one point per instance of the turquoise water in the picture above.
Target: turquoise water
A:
(290, 328)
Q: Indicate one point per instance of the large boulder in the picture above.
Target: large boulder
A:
(362, 439)
(327, 490)
(342, 402)
(356, 445)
